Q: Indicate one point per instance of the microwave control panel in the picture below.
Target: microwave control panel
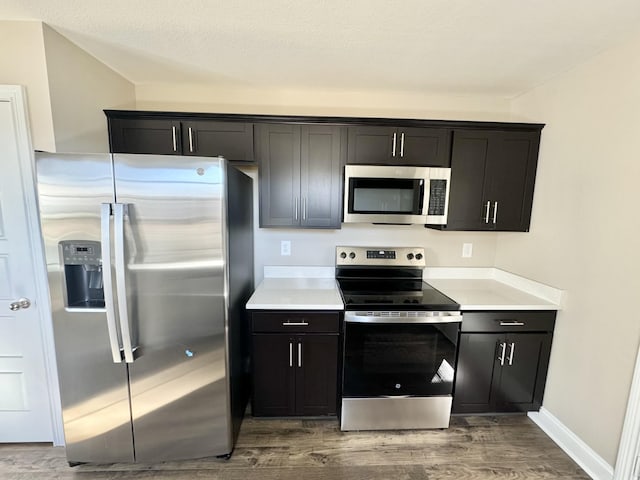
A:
(437, 197)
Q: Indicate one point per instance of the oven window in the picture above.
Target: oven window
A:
(399, 359)
(386, 195)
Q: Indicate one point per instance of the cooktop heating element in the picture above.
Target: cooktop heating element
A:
(376, 278)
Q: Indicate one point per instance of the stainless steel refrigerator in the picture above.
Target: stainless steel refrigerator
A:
(150, 265)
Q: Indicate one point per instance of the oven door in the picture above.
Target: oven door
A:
(400, 353)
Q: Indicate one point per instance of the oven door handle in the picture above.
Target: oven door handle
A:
(442, 317)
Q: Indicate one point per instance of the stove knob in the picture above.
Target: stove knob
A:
(418, 256)
(409, 256)
(343, 255)
(352, 255)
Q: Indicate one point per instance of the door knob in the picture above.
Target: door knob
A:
(20, 303)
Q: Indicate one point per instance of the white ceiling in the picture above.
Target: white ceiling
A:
(494, 47)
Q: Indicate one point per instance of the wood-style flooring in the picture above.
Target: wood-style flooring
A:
(502, 447)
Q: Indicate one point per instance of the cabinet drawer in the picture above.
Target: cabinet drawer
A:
(509, 321)
(296, 322)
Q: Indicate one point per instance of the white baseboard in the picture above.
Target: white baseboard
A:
(580, 452)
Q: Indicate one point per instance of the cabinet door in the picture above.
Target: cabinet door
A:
(371, 145)
(231, 140)
(477, 362)
(316, 374)
(152, 136)
(526, 360)
(425, 147)
(510, 178)
(468, 160)
(321, 162)
(273, 375)
(279, 175)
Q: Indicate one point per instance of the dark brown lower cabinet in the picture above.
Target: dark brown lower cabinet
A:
(502, 361)
(295, 373)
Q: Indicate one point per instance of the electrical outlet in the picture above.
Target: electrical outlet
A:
(467, 250)
(285, 248)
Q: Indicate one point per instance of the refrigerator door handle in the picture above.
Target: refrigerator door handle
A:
(120, 210)
(105, 241)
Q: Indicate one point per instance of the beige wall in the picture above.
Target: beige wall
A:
(584, 238)
(81, 87)
(22, 62)
(244, 99)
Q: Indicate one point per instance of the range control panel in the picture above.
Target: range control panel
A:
(388, 256)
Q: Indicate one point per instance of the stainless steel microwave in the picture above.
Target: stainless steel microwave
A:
(396, 195)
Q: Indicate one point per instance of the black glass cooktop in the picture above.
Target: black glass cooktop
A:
(424, 298)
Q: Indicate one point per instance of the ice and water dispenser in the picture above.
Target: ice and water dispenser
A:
(82, 262)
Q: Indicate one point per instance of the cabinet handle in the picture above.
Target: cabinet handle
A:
(495, 212)
(402, 145)
(503, 347)
(299, 354)
(513, 323)
(393, 153)
(295, 207)
(190, 140)
(486, 216)
(513, 347)
(295, 324)
(175, 141)
(304, 208)
(290, 354)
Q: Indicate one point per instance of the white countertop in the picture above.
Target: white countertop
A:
(488, 294)
(296, 293)
(313, 288)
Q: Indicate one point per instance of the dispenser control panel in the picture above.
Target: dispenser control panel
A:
(80, 253)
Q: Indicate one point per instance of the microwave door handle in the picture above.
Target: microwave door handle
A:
(424, 193)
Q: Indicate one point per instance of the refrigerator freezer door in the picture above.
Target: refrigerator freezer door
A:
(175, 237)
(94, 389)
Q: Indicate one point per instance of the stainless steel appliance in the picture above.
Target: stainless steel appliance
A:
(400, 341)
(150, 264)
(396, 195)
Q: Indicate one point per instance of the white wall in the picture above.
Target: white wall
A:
(584, 238)
(22, 62)
(81, 87)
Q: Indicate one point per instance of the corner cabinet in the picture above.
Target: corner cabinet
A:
(295, 363)
(414, 146)
(182, 136)
(502, 361)
(492, 180)
(300, 177)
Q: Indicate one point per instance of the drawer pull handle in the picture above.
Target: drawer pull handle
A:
(513, 323)
(295, 324)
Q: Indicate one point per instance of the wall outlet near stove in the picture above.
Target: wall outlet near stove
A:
(285, 248)
(467, 250)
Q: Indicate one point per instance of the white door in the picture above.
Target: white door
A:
(25, 402)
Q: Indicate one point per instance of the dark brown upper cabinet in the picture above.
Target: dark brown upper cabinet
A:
(492, 180)
(414, 146)
(300, 178)
(163, 136)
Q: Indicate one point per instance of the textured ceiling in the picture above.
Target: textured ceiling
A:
(495, 47)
